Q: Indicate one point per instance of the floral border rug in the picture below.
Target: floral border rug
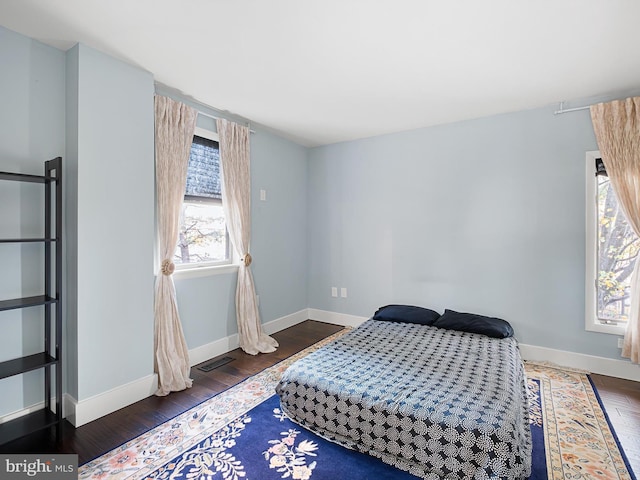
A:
(580, 443)
(207, 441)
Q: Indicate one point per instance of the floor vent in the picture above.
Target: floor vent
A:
(215, 364)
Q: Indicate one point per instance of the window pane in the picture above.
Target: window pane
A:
(203, 173)
(203, 234)
(618, 248)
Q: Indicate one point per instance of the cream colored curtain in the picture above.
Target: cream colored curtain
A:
(236, 203)
(617, 127)
(175, 124)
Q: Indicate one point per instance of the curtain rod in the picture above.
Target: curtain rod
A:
(162, 89)
(567, 110)
(216, 118)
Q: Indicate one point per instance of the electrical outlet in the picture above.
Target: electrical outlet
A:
(343, 292)
(334, 291)
(263, 195)
(620, 342)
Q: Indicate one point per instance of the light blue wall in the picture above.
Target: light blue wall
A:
(484, 216)
(32, 117)
(115, 226)
(70, 186)
(279, 226)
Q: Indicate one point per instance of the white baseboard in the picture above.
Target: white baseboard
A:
(220, 347)
(79, 413)
(35, 407)
(85, 411)
(19, 413)
(343, 319)
(601, 365)
(69, 407)
(67, 401)
(285, 322)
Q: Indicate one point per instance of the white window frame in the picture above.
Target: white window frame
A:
(592, 324)
(203, 269)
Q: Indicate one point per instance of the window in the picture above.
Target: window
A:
(203, 239)
(612, 248)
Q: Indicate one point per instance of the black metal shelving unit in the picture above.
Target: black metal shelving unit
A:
(50, 358)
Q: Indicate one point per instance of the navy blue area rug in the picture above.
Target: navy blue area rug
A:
(241, 434)
(265, 444)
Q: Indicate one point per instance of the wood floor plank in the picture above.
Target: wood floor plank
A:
(621, 399)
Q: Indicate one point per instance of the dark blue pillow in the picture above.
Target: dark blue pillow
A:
(473, 323)
(407, 314)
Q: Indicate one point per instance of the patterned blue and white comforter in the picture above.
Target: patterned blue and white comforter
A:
(437, 403)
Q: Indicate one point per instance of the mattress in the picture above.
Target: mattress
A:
(436, 403)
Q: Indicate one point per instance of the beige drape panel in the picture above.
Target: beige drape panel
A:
(175, 124)
(236, 203)
(617, 127)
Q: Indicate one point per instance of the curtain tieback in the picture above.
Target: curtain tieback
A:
(167, 267)
(246, 260)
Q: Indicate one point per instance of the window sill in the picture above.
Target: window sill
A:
(195, 272)
(610, 329)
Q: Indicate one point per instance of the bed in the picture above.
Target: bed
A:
(435, 402)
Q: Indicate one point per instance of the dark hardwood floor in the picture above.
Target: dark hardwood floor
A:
(95, 438)
(620, 397)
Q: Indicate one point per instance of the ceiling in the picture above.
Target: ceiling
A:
(320, 72)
